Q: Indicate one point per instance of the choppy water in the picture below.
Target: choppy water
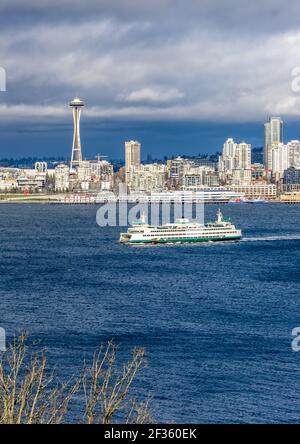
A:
(216, 319)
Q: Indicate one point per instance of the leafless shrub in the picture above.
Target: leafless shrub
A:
(107, 390)
(30, 394)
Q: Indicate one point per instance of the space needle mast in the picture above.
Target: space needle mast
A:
(76, 158)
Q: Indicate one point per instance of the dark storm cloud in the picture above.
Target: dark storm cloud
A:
(257, 16)
(159, 60)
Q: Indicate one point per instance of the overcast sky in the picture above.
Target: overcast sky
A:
(164, 71)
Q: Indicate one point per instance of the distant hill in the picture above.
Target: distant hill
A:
(28, 162)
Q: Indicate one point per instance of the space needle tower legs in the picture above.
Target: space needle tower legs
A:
(76, 158)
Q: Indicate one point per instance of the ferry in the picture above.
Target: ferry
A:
(181, 231)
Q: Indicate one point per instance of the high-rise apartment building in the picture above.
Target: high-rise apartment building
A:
(229, 148)
(242, 156)
(273, 134)
(280, 159)
(235, 163)
(241, 173)
(285, 156)
(132, 158)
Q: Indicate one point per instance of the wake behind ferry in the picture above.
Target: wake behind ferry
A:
(181, 231)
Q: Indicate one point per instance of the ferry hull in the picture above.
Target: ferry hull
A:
(180, 240)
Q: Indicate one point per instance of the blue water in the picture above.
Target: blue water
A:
(216, 320)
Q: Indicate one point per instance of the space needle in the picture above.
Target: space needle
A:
(76, 158)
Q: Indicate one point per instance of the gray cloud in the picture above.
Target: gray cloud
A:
(185, 60)
(267, 16)
(153, 95)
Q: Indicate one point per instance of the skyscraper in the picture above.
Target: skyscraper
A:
(226, 161)
(235, 163)
(242, 159)
(273, 134)
(76, 158)
(280, 159)
(132, 158)
(229, 148)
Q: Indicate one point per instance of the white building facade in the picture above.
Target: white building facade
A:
(280, 159)
(61, 175)
(235, 163)
(273, 134)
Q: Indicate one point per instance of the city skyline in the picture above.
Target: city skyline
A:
(159, 140)
(196, 76)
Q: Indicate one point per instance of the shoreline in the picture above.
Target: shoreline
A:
(60, 202)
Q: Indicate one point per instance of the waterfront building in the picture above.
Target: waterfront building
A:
(62, 182)
(292, 197)
(260, 190)
(132, 159)
(76, 157)
(25, 182)
(33, 179)
(7, 185)
(202, 195)
(291, 179)
(79, 198)
(273, 134)
(26, 179)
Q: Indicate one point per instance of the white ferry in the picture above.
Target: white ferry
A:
(181, 231)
